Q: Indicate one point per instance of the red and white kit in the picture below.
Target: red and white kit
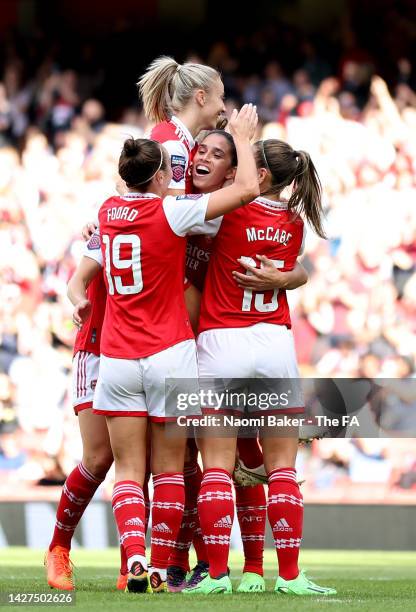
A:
(146, 321)
(178, 141)
(87, 348)
(243, 333)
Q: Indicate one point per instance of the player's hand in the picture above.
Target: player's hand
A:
(260, 279)
(243, 123)
(88, 230)
(81, 313)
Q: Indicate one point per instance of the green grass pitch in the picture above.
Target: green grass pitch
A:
(375, 581)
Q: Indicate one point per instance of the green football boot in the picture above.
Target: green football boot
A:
(210, 586)
(301, 586)
(251, 583)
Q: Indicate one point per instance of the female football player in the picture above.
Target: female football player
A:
(214, 166)
(245, 334)
(182, 100)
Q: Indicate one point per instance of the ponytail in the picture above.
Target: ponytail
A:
(154, 88)
(287, 166)
(166, 87)
(306, 198)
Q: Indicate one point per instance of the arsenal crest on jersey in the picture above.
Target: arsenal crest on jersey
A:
(178, 163)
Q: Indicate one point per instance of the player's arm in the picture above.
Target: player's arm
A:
(245, 187)
(90, 265)
(269, 277)
(193, 305)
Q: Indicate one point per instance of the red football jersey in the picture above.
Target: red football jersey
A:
(263, 227)
(89, 337)
(178, 140)
(198, 252)
(143, 252)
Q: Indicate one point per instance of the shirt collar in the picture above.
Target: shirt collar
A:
(138, 196)
(271, 203)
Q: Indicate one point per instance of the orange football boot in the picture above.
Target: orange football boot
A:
(59, 568)
(121, 582)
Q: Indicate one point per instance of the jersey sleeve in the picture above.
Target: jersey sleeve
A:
(179, 160)
(207, 228)
(92, 248)
(186, 214)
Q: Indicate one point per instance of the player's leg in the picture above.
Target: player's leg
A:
(128, 441)
(285, 512)
(249, 468)
(216, 511)
(251, 513)
(190, 530)
(176, 363)
(119, 396)
(167, 462)
(220, 355)
(84, 480)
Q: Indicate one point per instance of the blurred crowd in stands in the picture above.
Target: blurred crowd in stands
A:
(356, 317)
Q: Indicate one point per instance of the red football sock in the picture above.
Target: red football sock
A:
(146, 500)
(190, 522)
(167, 512)
(123, 561)
(216, 513)
(250, 452)
(198, 542)
(251, 512)
(128, 509)
(123, 556)
(77, 492)
(285, 511)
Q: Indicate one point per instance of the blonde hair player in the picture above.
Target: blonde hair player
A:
(182, 100)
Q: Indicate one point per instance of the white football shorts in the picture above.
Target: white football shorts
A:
(260, 360)
(142, 387)
(85, 368)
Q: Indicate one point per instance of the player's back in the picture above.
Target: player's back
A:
(263, 227)
(144, 261)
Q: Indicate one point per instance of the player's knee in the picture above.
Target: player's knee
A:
(98, 463)
(224, 460)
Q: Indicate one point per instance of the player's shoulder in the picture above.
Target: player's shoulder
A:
(164, 131)
(295, 219)
(110, 201)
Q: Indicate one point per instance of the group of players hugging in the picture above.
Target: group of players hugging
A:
(228, 217)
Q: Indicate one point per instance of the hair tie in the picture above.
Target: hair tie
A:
(264, 155)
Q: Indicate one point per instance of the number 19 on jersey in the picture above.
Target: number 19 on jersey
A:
(112, 257)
